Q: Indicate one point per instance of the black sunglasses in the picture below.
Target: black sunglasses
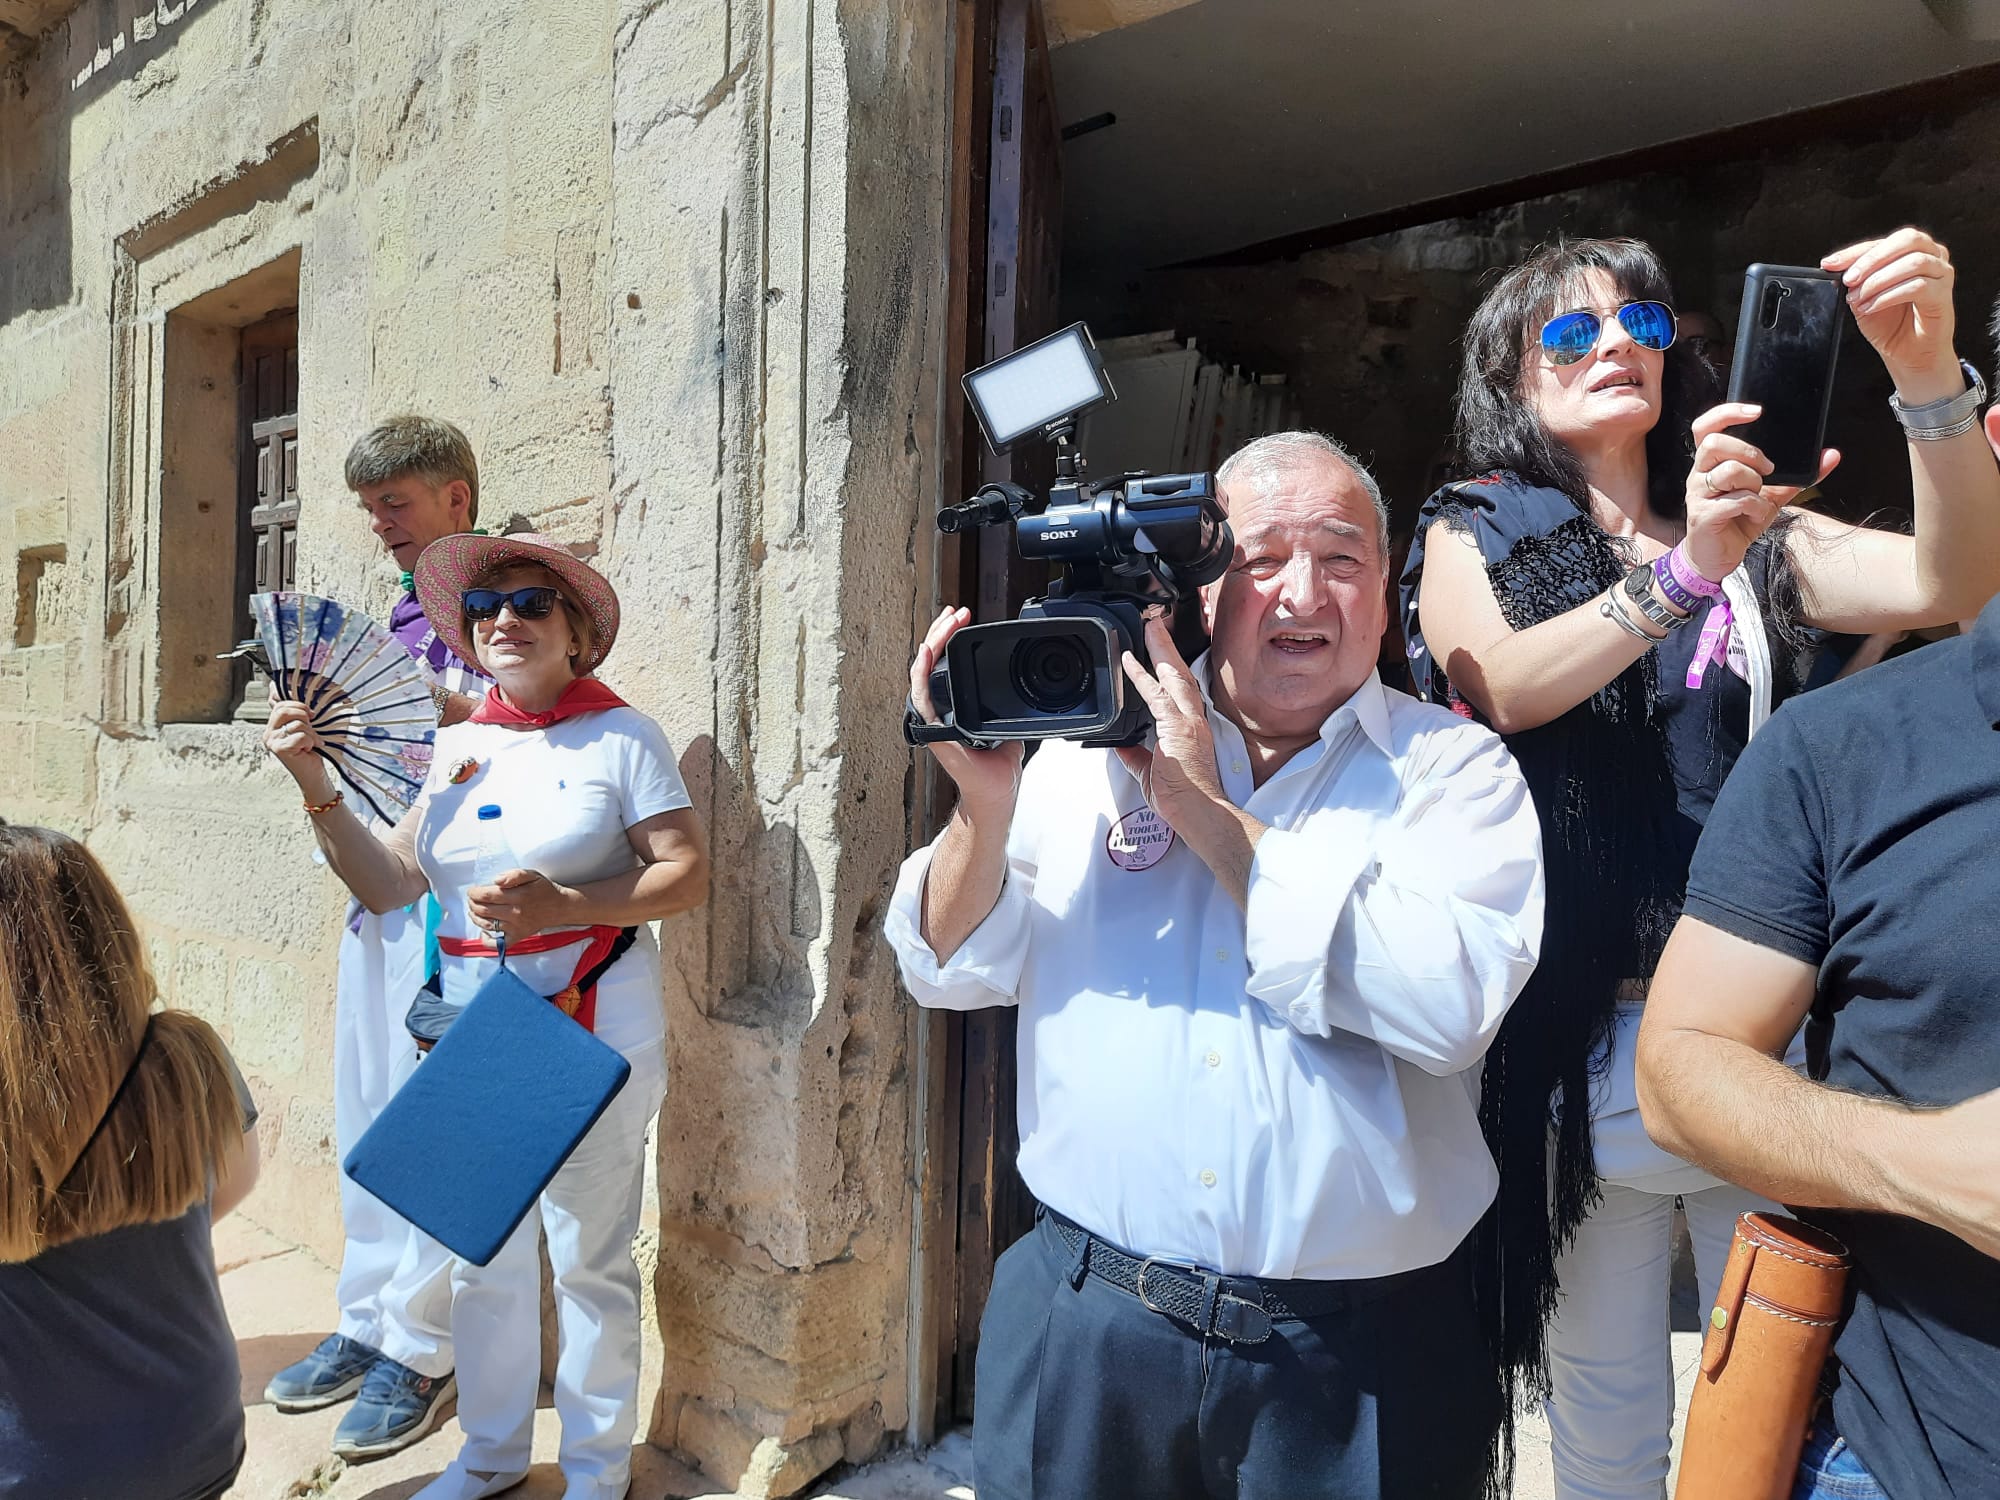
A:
(529, 604)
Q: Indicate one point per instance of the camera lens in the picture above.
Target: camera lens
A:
(1052, 673)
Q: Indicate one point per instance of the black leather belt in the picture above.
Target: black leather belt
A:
(1238, 1309)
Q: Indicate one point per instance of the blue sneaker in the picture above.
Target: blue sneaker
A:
(395, 1408)
(332, 1372)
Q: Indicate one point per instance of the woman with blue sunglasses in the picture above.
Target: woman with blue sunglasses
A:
(1617, 590)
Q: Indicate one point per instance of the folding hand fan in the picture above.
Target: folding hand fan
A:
(370, 705)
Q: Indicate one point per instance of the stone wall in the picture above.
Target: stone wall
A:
(674, 265)
(778, 208)
(1369, 331)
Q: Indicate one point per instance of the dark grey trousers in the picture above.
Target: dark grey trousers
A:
(1083, 1393)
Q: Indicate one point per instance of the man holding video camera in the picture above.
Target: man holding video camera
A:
(1258, 960)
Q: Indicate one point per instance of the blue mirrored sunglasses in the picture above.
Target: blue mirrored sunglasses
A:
(1568, 337)
(529, 604)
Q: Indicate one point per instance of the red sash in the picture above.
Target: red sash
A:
(574, 1001)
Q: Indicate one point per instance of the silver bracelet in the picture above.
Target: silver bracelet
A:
(1935, 421)
(1641, 587)
(1963, 425)
(1615, 612)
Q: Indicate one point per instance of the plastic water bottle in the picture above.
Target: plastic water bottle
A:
(494, 859)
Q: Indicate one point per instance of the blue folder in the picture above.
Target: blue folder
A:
(466, 1146)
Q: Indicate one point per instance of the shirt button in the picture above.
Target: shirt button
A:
(1207, 1178)
(1215, 1059)
(1222, 955)
(1236, 766)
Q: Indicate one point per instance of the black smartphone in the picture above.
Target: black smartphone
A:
(1787, 341)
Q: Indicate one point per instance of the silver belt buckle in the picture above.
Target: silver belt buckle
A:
(1146, 1265)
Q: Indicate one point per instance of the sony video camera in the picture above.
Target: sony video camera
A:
(1127, 544)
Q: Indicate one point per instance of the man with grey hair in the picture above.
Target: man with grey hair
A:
(1257, 961)
(1265, 461)
(418, 481)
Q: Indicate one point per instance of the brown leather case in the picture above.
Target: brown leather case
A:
(1768, 1338)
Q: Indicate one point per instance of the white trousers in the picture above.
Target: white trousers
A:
(395, 1280)
(590, 1211)
(1611, 1408)
(1611, 1413)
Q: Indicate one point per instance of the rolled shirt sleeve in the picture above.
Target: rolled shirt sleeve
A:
(1416, 933)
(987, 968)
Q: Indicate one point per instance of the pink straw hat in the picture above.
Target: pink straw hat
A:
(449, 565)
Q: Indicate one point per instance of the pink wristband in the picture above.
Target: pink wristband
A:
(1713, 644)
(1686, 576)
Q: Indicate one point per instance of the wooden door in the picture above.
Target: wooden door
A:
(1007, 213)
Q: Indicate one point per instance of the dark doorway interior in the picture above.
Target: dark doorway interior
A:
(1367, 329)
(1006, 255)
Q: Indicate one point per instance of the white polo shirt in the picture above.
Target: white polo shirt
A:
(1291, 1092)
(566, 795)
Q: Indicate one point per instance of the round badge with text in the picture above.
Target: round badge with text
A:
(1139, 840)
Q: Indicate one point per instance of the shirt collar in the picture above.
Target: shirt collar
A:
(1368, 706)
(1986, 661)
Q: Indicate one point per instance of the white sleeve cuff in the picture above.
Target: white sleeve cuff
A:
(986, 969)
(1300, 882)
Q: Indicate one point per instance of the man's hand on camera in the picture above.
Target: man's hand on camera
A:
(1178, 775)
(987, 780)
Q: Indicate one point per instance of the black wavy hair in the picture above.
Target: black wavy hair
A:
(1496, 426)
(1993, 330)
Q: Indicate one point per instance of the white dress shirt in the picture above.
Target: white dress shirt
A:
(1289, 1092)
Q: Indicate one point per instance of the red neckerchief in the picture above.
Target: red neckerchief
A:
(585, 695)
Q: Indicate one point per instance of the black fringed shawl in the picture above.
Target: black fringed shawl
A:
(1616, 849)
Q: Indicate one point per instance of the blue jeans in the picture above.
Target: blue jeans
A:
(1829, 1470)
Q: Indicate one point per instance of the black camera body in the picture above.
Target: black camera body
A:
(1127, 545)
(1056, 671)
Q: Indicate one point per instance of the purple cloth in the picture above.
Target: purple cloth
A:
(408, 625)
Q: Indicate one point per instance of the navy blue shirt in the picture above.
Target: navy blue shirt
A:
(1859, 834)
(118, 1371)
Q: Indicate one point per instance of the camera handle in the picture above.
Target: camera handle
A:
(917, 730)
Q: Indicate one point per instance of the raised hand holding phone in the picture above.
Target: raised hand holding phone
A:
(1900, 290)
(1730, 499)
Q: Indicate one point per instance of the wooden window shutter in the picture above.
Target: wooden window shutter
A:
(270, 466)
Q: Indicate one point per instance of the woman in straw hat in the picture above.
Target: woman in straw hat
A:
(587, 801)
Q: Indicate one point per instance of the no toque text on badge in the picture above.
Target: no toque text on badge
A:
(1139, 840)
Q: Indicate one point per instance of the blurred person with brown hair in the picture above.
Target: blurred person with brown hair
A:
(124, 1134)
